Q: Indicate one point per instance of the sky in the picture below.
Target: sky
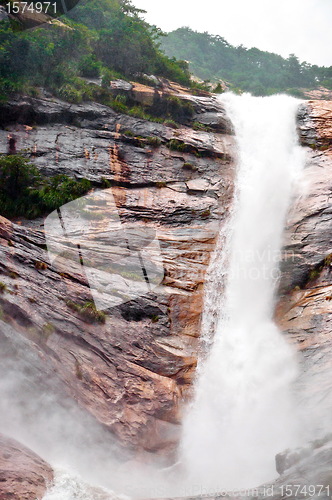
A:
(302, 27)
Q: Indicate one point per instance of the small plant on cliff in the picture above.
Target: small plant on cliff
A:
(218, 89)
(171, 124)
(48, 329)
(176, 145)
(17, 175)
(201, 127)
(3, 287)
(40, 266)
(172, 107)
(153, 141)
(206, 213)
(328, 260)
(119, 104)
(87, 311)
(313, 274)
(161, 184)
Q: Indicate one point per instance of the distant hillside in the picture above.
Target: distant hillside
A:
(253, 70)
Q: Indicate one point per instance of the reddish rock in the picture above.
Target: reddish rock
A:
(23, 474)
(315, 124)
(132, 372)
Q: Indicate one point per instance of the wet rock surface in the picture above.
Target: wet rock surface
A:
(131, 370)
(315, 124)
(304, 311)
(23, 475)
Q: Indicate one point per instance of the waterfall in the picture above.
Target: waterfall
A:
(242, 413)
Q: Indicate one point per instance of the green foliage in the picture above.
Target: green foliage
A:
(173, 108)
(295, 92)
(328, 260)
(155, 142)
(140, 112)
(40, 57)
(24, 192)
(119, 104)
(97, 37)
(261, 73)
(176, 145)
(218, 89)
(128, 133)
(61, 189)
(87, 311)
(70, 94)
(89, 66)
(171, 124)
(48, 329)
(200, 126)
(3, 287)
(16, 176)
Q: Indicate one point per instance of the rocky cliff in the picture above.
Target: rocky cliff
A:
(131, 372)
(23, 474)
(304, 309)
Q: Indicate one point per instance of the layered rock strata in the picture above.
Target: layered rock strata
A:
(132, 371)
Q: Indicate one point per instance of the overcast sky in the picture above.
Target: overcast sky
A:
(303, 27)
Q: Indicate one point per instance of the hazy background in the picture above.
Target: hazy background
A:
(302, 27)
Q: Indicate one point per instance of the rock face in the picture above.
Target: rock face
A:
(23, 475)
(132, 371)
(305, 307)
(308, 472)
(315, 124)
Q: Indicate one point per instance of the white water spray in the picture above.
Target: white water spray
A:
(242, 414)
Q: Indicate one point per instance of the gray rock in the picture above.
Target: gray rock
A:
(121, 85)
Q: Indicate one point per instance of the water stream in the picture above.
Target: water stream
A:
(243, 411)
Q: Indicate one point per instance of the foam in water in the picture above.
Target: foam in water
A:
(242, 413)
(67, 486)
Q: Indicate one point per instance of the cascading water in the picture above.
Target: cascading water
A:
(242, 413)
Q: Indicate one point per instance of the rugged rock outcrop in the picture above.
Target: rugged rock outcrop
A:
(315, 124)
(131, 371)
(23, 475)
(304, 311)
